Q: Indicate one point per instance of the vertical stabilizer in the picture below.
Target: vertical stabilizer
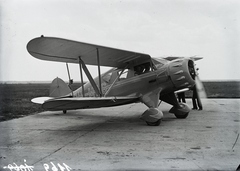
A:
(59, 88)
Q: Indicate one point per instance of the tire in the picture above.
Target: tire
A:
(157, 123)
(181, 116)
(64, 111)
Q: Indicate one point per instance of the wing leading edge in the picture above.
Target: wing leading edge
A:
(68, 51)
(171, 58)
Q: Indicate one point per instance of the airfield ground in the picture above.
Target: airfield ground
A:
(116, 139)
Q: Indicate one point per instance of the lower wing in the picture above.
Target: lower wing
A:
(86, 102)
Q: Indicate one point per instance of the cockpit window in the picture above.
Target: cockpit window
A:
(110, 76)
(143, 68)
(120, 74)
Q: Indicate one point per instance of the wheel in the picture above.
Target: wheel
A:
(181, 116)
(64, 111)
(180, 112)
(157, 123)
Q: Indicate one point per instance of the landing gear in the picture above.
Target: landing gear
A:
(180, 112)
(152, 116)
(181, 116)
(154, 123)
(64, 111)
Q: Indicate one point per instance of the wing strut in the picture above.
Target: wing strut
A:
(69, 77)
(99, 74)
(81, 75)
(89, 76)
(114, 81)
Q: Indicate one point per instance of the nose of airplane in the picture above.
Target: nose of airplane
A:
(182, 73)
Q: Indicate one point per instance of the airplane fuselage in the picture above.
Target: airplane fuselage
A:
(132, 84)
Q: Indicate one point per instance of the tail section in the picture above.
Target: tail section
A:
(59, 88)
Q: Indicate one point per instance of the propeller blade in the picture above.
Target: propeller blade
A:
(200, 88)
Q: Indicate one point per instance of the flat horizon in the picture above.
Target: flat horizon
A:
(45, 82)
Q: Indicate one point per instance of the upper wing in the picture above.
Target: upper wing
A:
(86, 102)
(62, 50)
(170, 58)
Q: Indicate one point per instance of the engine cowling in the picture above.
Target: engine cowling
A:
(182, 73)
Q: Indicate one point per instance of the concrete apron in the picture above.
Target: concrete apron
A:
(116, 139)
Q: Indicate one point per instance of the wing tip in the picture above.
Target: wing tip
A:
(40, 100)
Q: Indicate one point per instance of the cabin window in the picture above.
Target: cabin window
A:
(123, 75)
(106, 78)
(142, 69)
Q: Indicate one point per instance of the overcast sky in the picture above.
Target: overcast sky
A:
(210, 29)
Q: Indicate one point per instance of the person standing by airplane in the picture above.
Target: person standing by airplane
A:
(196, 100)
(197, 104)
(181, 97)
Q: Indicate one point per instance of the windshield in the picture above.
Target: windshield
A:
(158, 62)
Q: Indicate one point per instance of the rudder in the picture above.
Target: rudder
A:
(59, 88)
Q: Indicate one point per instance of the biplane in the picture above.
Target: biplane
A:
(134, 77)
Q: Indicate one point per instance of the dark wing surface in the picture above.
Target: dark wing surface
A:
(68, 51)
(86, 102)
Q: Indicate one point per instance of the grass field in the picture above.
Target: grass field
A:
(217, 89)
(15, 99)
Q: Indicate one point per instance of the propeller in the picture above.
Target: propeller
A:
(199, 86)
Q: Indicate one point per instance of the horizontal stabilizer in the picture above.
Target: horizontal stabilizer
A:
(40, 100)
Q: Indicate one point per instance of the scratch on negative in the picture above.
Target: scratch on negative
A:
(235, 141)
